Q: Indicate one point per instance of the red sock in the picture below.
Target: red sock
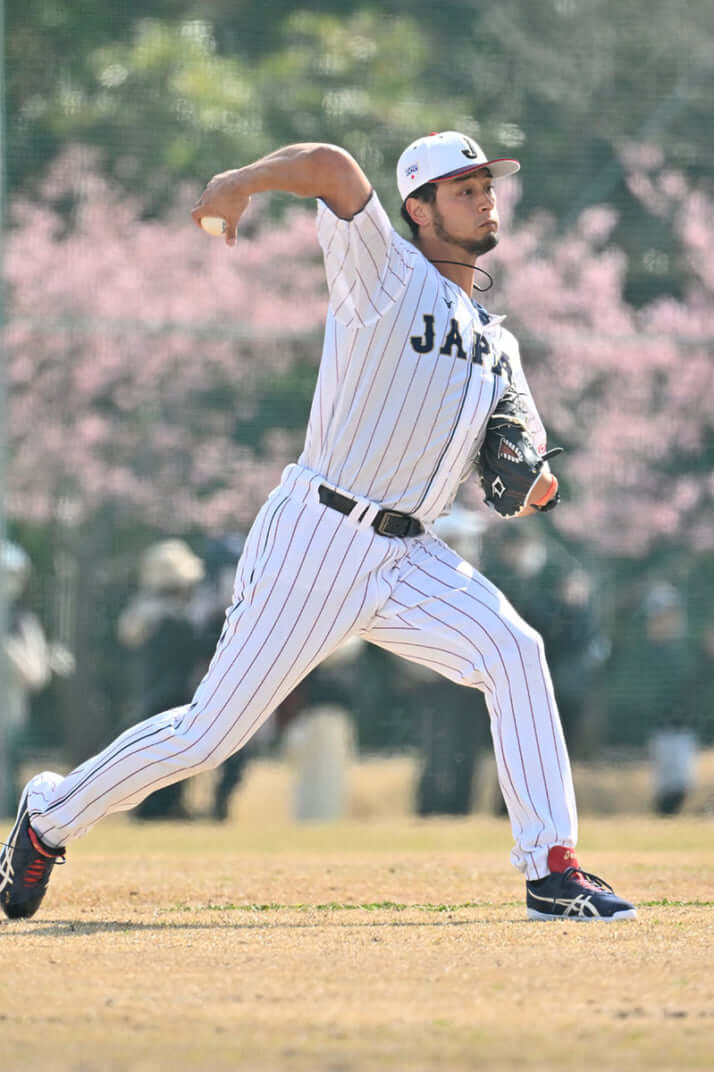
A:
(560, 857)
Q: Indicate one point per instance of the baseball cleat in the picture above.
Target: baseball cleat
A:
(25, 867)
(571, 893)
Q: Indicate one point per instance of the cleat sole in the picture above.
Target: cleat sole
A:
(548, 917)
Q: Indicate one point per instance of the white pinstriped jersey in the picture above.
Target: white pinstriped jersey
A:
(411, 370)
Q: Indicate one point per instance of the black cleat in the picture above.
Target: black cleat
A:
(571, 893)
(25, 867)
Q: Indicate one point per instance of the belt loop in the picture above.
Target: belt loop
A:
(363, 513)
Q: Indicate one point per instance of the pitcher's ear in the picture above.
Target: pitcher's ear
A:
(418, 210)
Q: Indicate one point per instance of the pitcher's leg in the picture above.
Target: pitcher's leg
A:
(287, 621)
(446, 615)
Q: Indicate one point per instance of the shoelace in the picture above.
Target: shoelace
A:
(592, 880)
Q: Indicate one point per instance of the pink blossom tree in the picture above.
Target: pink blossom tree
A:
(137, 347)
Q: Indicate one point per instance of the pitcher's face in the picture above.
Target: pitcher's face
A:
(464, 213)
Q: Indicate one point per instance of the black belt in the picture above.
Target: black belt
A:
(386, 523)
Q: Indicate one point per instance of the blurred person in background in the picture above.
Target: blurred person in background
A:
(665, 671)
(30, 661)
(158, 627)
(652, 704)
(703, 684)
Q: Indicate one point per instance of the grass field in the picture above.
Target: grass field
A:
(373, 943)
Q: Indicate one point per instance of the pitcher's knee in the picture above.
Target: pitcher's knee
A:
(199, 748)
(519, 645)
(514, 645)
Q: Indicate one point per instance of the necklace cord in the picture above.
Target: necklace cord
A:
(475, 267)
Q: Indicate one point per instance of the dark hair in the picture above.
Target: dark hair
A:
(426, 193)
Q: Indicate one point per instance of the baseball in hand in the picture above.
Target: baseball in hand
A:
(213, 225)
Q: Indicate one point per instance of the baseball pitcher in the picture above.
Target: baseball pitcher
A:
(419, 387)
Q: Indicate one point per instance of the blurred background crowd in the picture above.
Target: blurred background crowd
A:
(155, 384)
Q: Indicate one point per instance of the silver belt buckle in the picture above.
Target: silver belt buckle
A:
(382, 526)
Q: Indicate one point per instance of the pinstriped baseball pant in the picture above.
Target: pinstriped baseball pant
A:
(309, 578)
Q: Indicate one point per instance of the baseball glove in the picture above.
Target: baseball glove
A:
(508, 464)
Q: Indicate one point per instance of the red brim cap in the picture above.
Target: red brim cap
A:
(499, 168)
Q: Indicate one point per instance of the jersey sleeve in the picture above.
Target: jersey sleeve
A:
(366, 262)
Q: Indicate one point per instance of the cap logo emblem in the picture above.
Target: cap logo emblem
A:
(470, 151)
(411, 171)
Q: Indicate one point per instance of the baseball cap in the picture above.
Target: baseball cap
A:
(445, 156)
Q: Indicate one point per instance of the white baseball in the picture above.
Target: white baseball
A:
(213, 225)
